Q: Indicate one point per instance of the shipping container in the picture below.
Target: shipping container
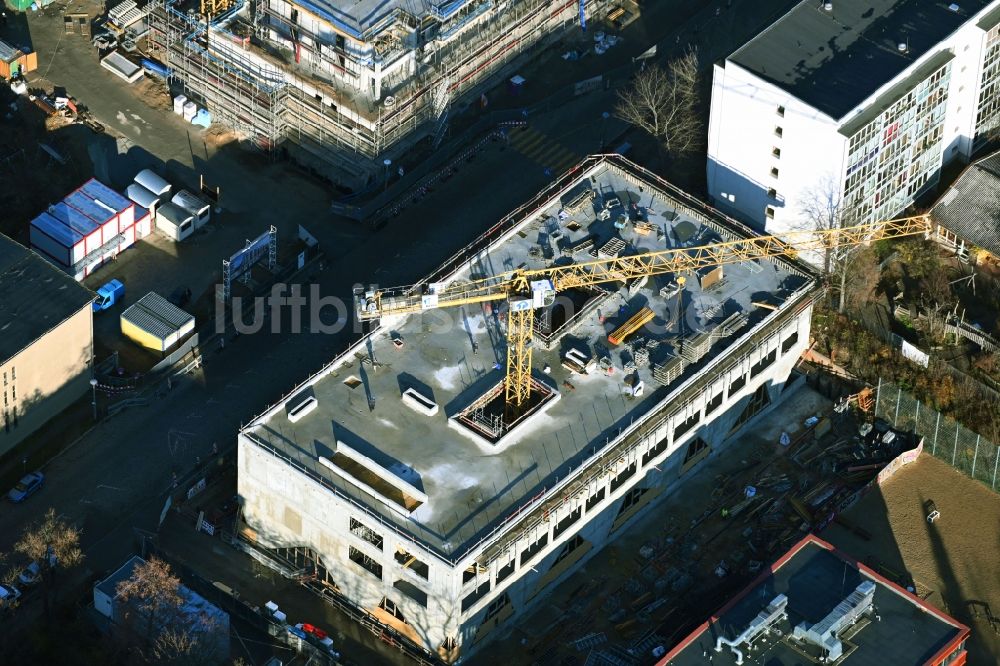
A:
(174, 222)
(194, 205)
(155, 323)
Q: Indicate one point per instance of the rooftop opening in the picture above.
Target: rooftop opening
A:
(487, 419)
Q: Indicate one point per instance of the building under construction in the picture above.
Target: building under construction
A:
(341, 85)
(397, 477)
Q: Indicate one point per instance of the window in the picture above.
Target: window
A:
(13, 373)
(769, 212)
(776, 152)
(390, 607)
(365, 562)
(534, 549)
(772, 193)
(595, 499)
(656, 450)
(566, 522)
(696, 446)
(774, 172)
(758, 401)
(185, 226)
(410, 562)
(362, 531)
(763, 363)
(475, 596)
(780, 111)
(494, 607)
(622, 477)
(630, 499)
(504, 572)
(472, 572)
(789, 342)
(686, 426)
(411, 591)
(778, 131)
(737, 384)
(568, 548)
(13, 393)
(713, 404)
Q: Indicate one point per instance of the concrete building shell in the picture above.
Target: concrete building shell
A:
(469, 543)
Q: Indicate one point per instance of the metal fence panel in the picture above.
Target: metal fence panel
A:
(945, 438)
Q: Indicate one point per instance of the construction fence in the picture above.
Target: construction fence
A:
(944, 437)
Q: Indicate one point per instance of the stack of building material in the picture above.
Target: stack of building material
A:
(179, 103)
(87, 228)
(122, 67)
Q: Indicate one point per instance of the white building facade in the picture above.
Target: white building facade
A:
(851, 104)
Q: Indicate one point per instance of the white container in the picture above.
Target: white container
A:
(153, 183)
(179, 103)
(190, 109)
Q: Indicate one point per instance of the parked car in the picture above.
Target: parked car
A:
(26, 487)
(31, 574)
(8, 595)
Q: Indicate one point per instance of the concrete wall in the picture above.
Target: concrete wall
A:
(288, 509)
(741, 139)
(45, 378)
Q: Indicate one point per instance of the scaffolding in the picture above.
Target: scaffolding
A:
(318, 109)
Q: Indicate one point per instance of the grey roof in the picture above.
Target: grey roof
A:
(834, 60)
(109, 585)
(156, 315)
(363, 18)
(35, 297)
(971, 207)
(173, 214)
(815, 579)
(9, 53)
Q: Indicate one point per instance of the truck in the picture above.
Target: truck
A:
(109, 294)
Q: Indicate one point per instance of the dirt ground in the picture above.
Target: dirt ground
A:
(953, 562)
(603, 597)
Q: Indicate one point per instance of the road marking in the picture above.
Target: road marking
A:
(104, 485)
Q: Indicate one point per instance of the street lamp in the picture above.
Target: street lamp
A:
(604, 125)
(93, 398)
(387, 163)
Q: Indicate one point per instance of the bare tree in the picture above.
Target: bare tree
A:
(664, 103)
(154, 614)
(823, 208)
(55, 545)
(152, 595)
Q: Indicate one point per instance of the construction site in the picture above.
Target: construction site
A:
(481, 452)
(347, 88)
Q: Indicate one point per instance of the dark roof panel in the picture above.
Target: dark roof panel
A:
(35, 297)
(834, 60)
(971, 207)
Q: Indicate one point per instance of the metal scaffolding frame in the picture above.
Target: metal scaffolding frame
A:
(269, 104)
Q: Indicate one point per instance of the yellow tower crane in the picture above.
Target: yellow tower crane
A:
(527, 289)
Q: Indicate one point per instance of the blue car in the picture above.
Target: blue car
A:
(26, 487)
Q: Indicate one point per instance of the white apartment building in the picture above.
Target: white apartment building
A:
(388, 468)
(854, 102)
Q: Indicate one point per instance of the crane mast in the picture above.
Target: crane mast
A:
(525, 290)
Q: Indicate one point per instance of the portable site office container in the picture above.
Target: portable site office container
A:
(142, 197)
(155, 323)
(104, 196)
(175, 222)
(152, 182)
(143, 222)
(57, 241)
(194, 205)
(91, 225)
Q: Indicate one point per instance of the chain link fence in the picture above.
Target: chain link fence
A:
(944, 437)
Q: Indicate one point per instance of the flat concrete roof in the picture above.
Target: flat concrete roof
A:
(453, 356)
(835, 60)
(815, 577)
(35, 297)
